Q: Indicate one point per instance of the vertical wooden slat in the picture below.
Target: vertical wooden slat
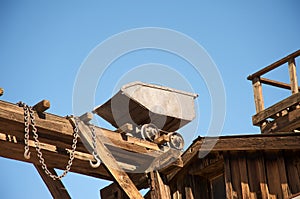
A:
(258, 96)
(254, 183)
(244, 176)
(188, 189)
(235, 175)
(262, 176)
(293, 76)
(292, 172)
(273, 176)
(158, 188)
(228, 183)
(283, 176)
(113, 191)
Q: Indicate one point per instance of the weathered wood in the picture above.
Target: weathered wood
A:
(42, 106)
(254, 142)
(276, 83)
(292, 171)
(273, 177)
(235, 175)
(293, 76)
(113, 191)
(162, 139)
(244, 176)
(227, 175)
(276, 108)
(56, 187)
(54, 157)
(254, 183)
(159, 189)
(258, 96)
(125, 128)
(286, 123)
(260, 166)
(109, 161)
(60, 130)
(87, 117)
(274, 65)
(1, 91)
(283, 177)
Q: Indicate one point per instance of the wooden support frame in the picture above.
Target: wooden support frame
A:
(159, 190)
(108, 160)
(293, 75)
(56, 187)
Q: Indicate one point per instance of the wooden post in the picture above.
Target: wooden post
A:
(42, 106)
(293, 76)
(56, 187)
(258, 96)
(158, 189)
(109, 161)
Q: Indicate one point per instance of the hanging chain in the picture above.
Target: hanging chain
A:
(26, 129)
(29, 110)
(95, 154)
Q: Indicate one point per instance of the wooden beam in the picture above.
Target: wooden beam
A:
(286, 123)
(258, 96)
(276, 108)
(112, 191)
(293, 76)
(276, 83)
(108, 160)
(290, 141)
(158, 188)
(58, 131)
(56, 187)
(42, 106)
(274, 65)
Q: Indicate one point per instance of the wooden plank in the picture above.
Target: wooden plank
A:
(42, 106)
(244, 176)
(261, 174)
(159, 189)
(273, 176)
(112, 191)
(276, 108)
(258, 96)
(227, 175)
(54, 157)
(253, 179)
(289, 141)
(275, 83)
(109, 161)
(235, 175)
(286, 123)
(292, 171)
(274, 65)
(60, 130)
(283, 176)
(293, 75)
(56, 187)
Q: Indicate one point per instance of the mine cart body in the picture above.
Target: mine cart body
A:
(139, 103)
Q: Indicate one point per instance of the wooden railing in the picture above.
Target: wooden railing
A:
(257, 80)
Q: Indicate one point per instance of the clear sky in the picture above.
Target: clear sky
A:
(43, 44)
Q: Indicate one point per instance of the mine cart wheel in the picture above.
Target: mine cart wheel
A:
(176, 141)
(149, 132)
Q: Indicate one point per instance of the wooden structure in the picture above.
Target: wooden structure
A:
(263, 166)
(282, 116)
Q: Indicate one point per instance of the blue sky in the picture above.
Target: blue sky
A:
(44, 43)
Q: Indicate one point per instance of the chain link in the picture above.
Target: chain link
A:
(29, 110)
(95, 154)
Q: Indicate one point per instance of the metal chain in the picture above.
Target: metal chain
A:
(95, 154)
(29, 110)
(26, 129)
